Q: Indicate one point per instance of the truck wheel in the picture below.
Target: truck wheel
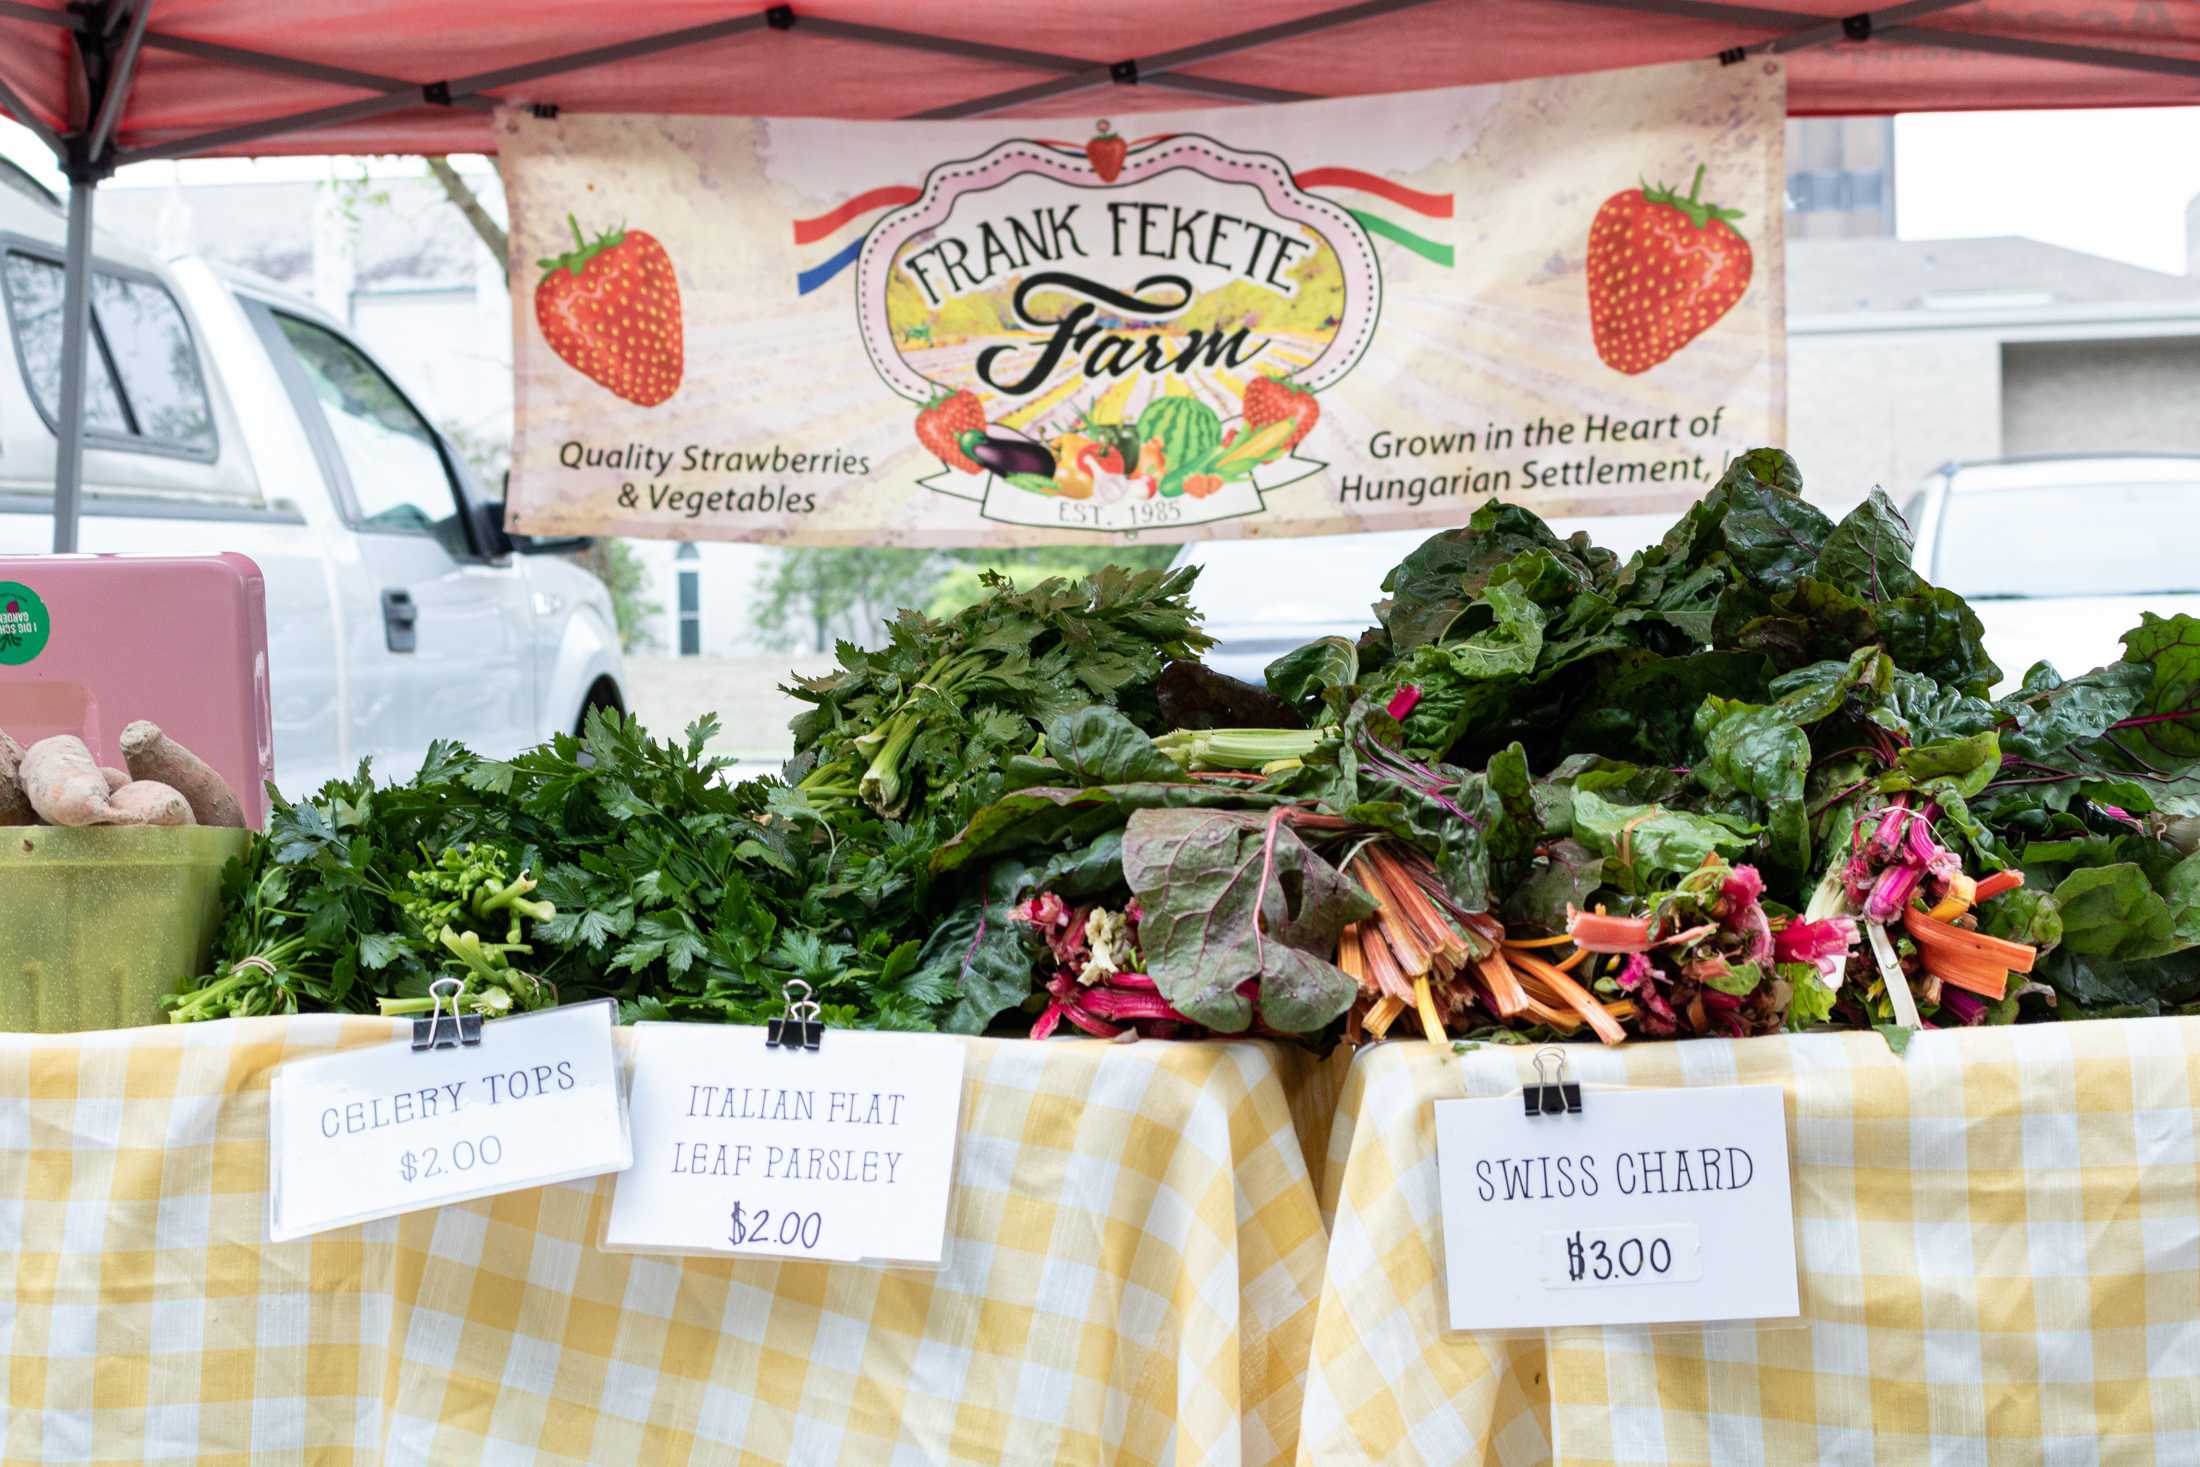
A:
(603, 694)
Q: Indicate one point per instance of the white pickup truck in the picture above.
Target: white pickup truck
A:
(223, 413)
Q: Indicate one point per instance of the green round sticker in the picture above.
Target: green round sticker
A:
(24, 624)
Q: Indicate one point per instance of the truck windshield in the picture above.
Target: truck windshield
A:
(2071, 540)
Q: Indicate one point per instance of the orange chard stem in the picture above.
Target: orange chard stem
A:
(1607, 1028)
(1506, 994)
(1436, 933)
(1348, 955)
(1412, 956)
(1932, 933)
(1382, 965)
(1996, 884)
(1995, 987)
(1566, 1021)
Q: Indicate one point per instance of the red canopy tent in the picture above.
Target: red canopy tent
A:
(103, 85)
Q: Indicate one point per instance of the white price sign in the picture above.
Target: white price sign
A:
(1645, 1207)
(368, 1133)
(845, 1152)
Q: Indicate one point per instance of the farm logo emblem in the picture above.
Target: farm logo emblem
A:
(1118, 333)
(25, 625)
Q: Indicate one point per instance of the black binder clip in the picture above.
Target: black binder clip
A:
(446, 1027)
(1552, 1093)
(798, 1028)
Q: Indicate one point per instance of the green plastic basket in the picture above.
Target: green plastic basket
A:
(96, 924)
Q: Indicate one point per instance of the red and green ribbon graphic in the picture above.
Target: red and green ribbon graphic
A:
(893, 196)
(1433, 206)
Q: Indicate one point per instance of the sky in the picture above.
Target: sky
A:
(2113, 183)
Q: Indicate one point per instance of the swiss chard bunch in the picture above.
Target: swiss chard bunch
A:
(1508, 633)
(920, 728)
(1700, 959)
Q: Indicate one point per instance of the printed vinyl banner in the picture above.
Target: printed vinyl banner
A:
(1300, 319)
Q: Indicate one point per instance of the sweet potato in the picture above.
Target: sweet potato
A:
(149, 802)
(115, 778)
(153, 755)
(64, 784)
(15, 809)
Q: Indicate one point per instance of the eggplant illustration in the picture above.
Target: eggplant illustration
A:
(1006, 456)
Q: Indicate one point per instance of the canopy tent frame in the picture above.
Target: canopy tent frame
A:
(107, 37)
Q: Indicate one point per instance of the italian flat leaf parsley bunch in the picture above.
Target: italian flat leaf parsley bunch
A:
(633, 870)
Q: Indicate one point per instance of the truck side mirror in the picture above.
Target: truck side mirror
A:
(493, 512)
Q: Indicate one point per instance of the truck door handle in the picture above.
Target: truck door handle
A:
(400, 621)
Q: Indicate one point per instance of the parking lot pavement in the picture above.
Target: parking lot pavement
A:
(669, 693)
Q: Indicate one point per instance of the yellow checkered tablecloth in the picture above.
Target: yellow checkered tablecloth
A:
(1999, 1236)
(1134, 1250)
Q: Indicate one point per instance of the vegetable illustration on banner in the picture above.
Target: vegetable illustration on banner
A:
(1305, 318)
(1123, 332)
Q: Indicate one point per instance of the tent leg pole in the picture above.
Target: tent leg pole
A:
(76, 340)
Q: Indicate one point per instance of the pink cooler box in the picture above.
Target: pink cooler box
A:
(89, 644)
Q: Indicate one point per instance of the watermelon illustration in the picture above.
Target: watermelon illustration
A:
(1189, 432)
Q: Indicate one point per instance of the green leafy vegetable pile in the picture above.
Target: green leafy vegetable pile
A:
(1751, 777)
(592, 866)
(924, 723)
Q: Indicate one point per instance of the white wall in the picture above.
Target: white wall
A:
(1881, 410)
(728, 576)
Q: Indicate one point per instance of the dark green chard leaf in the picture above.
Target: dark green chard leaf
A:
(1759, 752)
(1868, 553)
(2168, 719)
(2122, 986)
(1566, 876)
(1048, 818)
(1812, 621)
(1968, 764)
(2052, 716)
(1431, 587)
(981, 954)
(1465, 682)
(1306, 676)
(2024, 915)
(1935, 632)
(1922, 710)
(1772, 534)
(1097, 745)
(1227, 898)
(2113, 912)
(1642, 706)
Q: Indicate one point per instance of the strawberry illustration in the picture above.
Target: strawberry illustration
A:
(1105, 151)
(611, 308)
(1279, 399)
(941, 424)
(1662, 269)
